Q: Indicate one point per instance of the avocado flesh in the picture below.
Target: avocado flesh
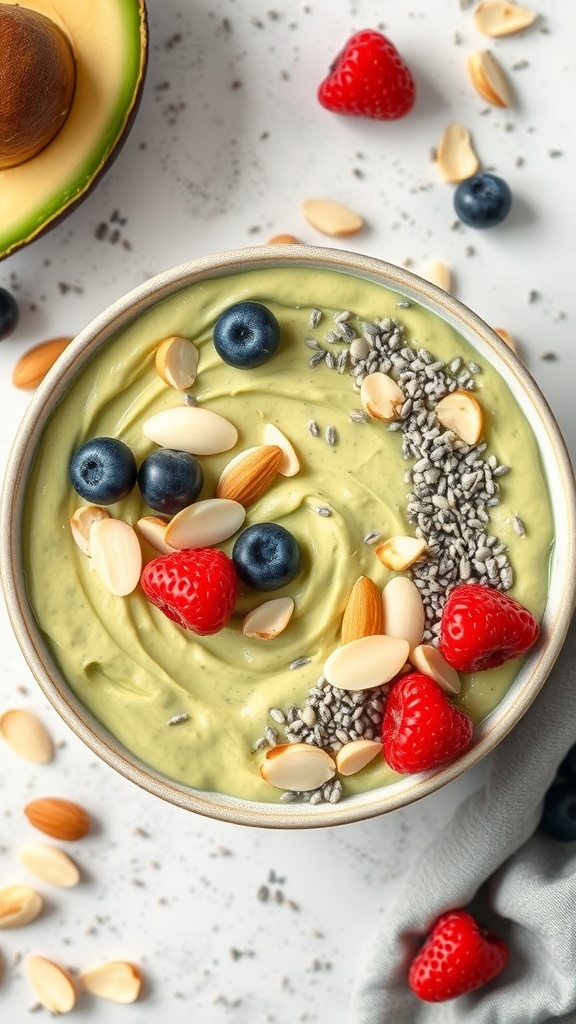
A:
(109, 41)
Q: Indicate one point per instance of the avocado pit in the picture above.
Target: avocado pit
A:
(37, 81)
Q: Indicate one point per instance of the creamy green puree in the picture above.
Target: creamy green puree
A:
(131, 666)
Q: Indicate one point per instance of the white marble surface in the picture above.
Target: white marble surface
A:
(228, 141)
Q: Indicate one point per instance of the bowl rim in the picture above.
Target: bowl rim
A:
(557, 468)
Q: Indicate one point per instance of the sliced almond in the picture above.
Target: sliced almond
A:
(399, 553)
(298, 767)
(354, 756)
(365, 663)
(19, 904)
(403, 610)
(290, 463)
(61, 819)
(381, 397)
(456, 158)
(439, 274)
(191, 428)
(33, 366)
(82, 521)
(488, 78)
(116, 555)
(152, 529)
(52, 985)
(117, 980)
(50, 864)
(332, 218)
(499, 18)
(177, 362)
(268, 619)
(507, 338)
(461, 412)
(205, 523)
(26, 735)
(283, 240)
(363, 615)
(429, 660)
(249, 474)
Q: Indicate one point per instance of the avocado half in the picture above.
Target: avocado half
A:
(109, 40)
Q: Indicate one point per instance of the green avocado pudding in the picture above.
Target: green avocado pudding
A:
(207, 710)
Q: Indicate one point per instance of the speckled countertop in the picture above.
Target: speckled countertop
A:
(230, 924)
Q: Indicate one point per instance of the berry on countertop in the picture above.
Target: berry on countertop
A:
(458, 956)
(170, 480)
(246, 335)
(559, 813)
(483, 200)
(103, 470)
(481, 628)
(197, 588)
(422, 729)
(369, 79)
(8, 313)
(266, 556)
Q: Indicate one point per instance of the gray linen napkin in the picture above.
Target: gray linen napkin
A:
(521, 884)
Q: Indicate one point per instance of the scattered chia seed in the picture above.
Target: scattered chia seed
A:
(372, 537)
(177, 719)
(300, 662)
(518, 525)
(317, 358)
(314, 429)
(315, 318)
(331, 436)
(324, 511)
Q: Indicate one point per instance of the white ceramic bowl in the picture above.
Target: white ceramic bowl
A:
(556, 469)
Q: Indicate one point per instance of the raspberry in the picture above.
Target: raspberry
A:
(197, 588)
(482, 628)
(422, 729)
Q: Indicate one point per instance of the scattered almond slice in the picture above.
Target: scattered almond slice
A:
(50, 864)
(365, 663)
(268, 619)
(332, 218)
(429, 660)
(354, 756)
(499, 18)
(249, 474)
(152, 529)
(298, 767)
(290, 463)
(283, 240)
(403, 610)
(364, 614)
(82, 521)
(117, 980)
(439, 274)
(507, 338)
(489, 79)
(204, 524)
(52, 985)
(381, 397)
(192, 429)
(461, 412)
(19, 904)
(33, 366)
(26, 735)
(399, 553)
(58, 818)
(177, 362)
(116, 555)
(456, 158)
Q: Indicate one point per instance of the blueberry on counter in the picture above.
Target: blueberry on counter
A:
(266, 556)
(559, 814)
(483, 200)
(103, 470)
(170, 480)
(246, 335)
(8, 313)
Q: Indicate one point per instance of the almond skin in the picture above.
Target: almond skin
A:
(249, 475)
(33, 366)
(364, 613)
(61, 819)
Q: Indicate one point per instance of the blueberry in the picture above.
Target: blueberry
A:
(103, 470)
(8, 313)
(266, 556)
(170, 480)
(246, 335)
(559, 814)
(483, 200)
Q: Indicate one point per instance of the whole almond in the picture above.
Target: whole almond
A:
(33, 366)
(26, 735)
(117, 980)
(249, 474)
(61, 819)
(364, 614)
(19, 904)
(52, 985)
